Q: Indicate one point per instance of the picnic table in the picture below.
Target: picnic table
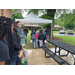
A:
(67, 47)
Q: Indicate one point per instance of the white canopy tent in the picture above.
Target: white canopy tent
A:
(33, 19)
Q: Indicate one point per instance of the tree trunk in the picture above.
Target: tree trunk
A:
(51, 13)
(49, 31)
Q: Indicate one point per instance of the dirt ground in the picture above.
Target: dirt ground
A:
(56, 38)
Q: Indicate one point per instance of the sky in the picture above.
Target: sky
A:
(25, 14)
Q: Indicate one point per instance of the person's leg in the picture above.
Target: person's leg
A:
(18, 61)
(47, 45)
(15, 59)
(33, 43)
(36, 42)
(41, 43)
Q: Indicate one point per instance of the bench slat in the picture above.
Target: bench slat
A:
(58, 59)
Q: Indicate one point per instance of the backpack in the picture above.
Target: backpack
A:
(33, 37)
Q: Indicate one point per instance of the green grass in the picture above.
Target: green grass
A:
(67, 39)
(29, 44)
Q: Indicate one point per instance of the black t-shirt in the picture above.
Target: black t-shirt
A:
(4, 50)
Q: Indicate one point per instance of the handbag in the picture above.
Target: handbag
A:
(20, 53)
(24, 58)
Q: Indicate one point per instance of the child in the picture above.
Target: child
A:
(40, 38)
(25, 37)
(46, 37)
(33, 38)
(37, 39)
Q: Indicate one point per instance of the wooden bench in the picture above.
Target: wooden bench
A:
(58, 59)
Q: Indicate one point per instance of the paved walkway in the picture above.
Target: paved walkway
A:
(36, 57)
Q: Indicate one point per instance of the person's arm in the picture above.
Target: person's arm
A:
(16, 45)
(45, 37)
(38, 37)
(2, 63)
(31, 35)
(27, 30)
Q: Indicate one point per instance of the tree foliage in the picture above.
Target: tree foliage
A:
(16, 16)
(69, 22)
(66, 19)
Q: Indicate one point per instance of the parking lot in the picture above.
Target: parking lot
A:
(58, 34)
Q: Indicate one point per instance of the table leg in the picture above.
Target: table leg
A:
(73, 58)
(55, 49)
(60, 54)
(47, 56)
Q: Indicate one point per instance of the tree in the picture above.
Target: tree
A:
(16, 16)
(70, 23)
(66, 20)
(59, 22)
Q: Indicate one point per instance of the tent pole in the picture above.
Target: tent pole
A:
(51, 30)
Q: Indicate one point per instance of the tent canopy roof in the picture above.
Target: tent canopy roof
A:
(32, 25)
(33, 19)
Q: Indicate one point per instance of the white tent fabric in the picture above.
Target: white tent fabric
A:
(33, 19)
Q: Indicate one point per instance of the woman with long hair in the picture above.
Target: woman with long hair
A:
(17, 45)
(18, 23)
(6, 41)
(22, 36)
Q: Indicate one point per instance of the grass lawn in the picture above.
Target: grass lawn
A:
(29, 44)
(67, 39)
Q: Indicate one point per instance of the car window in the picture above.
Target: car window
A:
(61, 30)
(70, 30)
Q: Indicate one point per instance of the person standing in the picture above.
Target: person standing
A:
(26, 31)
(18, 23)
(37, 39)
(40, 38)
(22, 36)
(33, 38)
(17, 45)
(6, 41)
(46, 37)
